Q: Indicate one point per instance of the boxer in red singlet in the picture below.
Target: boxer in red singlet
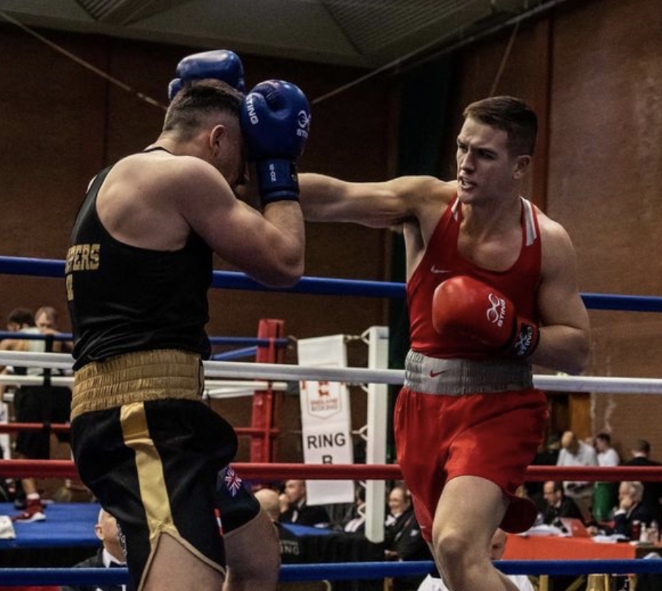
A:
(491, 289)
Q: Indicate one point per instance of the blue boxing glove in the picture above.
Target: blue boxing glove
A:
(275, 120)
(220, 64)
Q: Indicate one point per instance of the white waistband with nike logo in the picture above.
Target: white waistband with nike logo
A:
(455, 377)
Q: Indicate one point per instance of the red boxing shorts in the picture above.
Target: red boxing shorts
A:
(494, 436)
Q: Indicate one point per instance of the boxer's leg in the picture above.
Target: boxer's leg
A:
(253, 556)
(252, 550)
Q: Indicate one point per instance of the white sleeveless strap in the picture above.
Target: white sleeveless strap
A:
(529, 222)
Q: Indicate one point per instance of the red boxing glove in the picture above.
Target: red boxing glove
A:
(464, 305)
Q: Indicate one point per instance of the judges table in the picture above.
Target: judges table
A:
(522, 547)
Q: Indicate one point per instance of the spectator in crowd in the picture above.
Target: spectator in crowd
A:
(577, 453)
(631, 509)
(497, 548)
(109, 555)
(605, 494)
(290, 546)
(299, 511)
(652, 490)
(547, 455)
(558, 505)
(46, 320)
(403, 539)
(607, 455)
(43, 404)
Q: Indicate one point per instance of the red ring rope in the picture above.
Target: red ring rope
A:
(66, 469)
(64, 428)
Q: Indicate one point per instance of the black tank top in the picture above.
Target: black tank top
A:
(124, 299)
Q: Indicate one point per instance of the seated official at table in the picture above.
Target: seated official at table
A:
(631, 508)
(403, 539)
(109, 555)
(299, 511)
(557, 504)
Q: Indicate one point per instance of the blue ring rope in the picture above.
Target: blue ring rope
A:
(64, 336)
(236, 354)
(24, 336)
(326, 286)
(249, 341)
(338, 572)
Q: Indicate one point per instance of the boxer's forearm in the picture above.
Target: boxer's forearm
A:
(563, 348)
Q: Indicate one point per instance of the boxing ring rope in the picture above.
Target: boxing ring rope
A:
(250, 351)
(213, 389)
(278, 371)
(64, 428)
(271, 471)
(53, 268)
(339, 572)
(69, 381)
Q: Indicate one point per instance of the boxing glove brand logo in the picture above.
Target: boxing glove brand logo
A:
(497, 310)
(303, 119)
(250, 109)
(524, 341)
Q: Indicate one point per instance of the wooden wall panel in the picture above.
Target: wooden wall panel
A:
(51, 134)
(522, 72)
(605, 174)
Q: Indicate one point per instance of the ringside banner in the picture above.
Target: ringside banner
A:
(326, 419)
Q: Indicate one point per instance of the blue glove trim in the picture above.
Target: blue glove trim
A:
(277, 180)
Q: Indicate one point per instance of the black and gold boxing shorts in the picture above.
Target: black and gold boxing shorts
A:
(150, 450)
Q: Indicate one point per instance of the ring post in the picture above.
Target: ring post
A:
(266, 403)
(375, 492)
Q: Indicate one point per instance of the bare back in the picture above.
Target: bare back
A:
(137, 205)
(154, 200)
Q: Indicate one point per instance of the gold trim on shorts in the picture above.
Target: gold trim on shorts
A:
(137, 377)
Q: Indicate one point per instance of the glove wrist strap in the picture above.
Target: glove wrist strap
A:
(277, 180)
(525, 339)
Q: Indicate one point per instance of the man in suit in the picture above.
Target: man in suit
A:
(109, 555)
(299, 511)
(652, 490)
(558, 505)
(631, 508)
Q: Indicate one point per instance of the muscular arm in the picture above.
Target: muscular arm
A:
(377, 205)
(269, 247)
(154, 201)
(564, 334)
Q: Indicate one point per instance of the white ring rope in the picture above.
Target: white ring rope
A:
(213, 388)
(12, 380)
(276, 371)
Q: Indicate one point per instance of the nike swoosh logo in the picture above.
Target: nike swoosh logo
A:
(434, 269)
(434, 374)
